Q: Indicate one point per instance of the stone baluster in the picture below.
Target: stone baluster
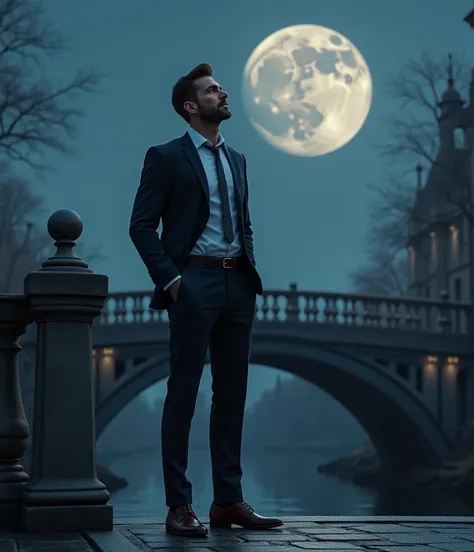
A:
(13, 425)
(275, 309)
(348, 312)
(138, 309)
(292, 306)
(64, 297)
(265, 308)
(308, 310)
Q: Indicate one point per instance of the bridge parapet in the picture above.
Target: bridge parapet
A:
(316, 307)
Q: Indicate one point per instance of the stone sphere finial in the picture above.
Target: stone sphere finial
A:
(293, 286)
(65, 227)
(65, 224)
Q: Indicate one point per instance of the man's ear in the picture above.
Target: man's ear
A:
(191, 107)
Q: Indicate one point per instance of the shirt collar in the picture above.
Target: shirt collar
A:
(199, 140)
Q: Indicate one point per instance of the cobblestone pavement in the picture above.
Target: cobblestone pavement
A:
(344, 534)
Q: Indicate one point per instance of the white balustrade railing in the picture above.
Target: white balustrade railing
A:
(316, 308)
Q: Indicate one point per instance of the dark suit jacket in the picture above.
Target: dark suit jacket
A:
(173, 189)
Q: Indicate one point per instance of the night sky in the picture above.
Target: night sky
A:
(309, 214)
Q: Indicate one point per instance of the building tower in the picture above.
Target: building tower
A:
(439, 243)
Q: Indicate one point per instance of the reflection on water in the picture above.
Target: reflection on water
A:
(275, 483)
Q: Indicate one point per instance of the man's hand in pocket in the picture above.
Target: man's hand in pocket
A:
(174, 289)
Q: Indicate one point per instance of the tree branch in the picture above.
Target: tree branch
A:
(35, 115)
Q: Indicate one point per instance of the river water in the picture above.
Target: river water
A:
(283, 483)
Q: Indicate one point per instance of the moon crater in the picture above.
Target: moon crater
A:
(307, 90)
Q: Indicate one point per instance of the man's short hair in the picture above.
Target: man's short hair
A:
(185, 90)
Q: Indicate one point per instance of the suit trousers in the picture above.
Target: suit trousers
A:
(214, 310)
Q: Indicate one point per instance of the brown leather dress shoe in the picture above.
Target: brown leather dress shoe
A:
(240, 514)
(183, 521)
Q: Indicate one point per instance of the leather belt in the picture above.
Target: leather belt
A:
(217, 262)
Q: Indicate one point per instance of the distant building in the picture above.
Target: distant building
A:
(440, 234)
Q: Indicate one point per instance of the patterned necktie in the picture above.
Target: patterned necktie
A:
(223, 192)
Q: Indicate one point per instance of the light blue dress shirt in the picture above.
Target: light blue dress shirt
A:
(212, 242)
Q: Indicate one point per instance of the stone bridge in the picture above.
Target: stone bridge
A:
(401, 366)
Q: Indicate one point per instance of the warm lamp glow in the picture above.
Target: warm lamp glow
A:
(452, 364)
(454, 244)
(107, 360)
(430, 365)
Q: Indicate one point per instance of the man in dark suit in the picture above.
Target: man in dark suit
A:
(203, 268)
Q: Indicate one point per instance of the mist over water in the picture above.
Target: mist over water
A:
(274, 483)
(291, 427)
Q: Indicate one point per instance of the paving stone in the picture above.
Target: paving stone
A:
(200, 549)
(50, 542)
(384, 528)
(467, 536)
(330, 546)
(238, 548)
(266, 536)
(187, 542)
(438, 524)
(301, 524)
(56, 537)
(340, 534)
(140, 521)
(373, 544)
(53, 546)
(330, 531)
(346, 537)
(461, 546)
(421, 538)
(419, 548)
(147, 530)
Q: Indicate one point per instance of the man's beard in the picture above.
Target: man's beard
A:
(214, 115)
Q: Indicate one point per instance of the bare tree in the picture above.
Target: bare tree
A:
(418, 89)
(24, 241)
(36, 116)
(414, 130)
(21, 243)
(381, 275)
(413, 141)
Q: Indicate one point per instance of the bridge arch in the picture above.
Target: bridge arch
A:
(401, 427)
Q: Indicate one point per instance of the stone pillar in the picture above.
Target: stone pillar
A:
(450, 370)
(13, 424)
(64, 297)
(430, 383)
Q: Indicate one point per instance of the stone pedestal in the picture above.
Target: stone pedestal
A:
(13, 424)
(64, 297)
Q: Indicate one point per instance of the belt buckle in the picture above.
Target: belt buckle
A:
(228, 262)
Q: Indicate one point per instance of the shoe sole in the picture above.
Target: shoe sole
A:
(184, 533)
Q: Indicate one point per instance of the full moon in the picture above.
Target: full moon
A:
(307, 90)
